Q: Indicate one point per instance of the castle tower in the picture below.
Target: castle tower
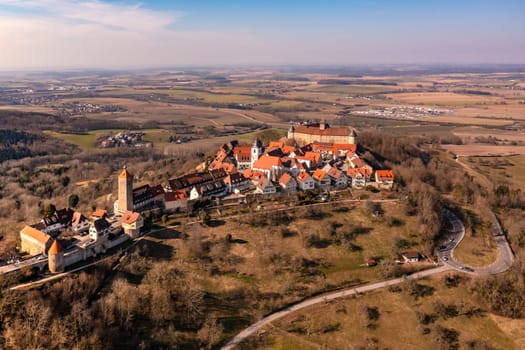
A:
(56, 258)
(256, 151)
(352, 138)
(125, 191)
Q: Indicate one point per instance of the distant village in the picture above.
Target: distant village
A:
(312, 156)
(125, 139)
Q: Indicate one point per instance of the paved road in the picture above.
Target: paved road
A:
(251, 330)
(446, 253)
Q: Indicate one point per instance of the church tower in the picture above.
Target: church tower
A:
(125, 191)
(291, 132)
(256, 151)
(352, 138)
(56, 258)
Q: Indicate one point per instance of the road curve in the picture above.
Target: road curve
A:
(251, 330)
(446, 252)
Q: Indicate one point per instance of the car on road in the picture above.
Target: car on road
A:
(445, 258)
(443, 247)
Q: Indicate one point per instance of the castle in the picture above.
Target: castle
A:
(321, 132)
(91, 236)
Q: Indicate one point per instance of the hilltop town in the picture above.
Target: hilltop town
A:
(312, 156)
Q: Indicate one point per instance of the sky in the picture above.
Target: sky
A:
(50, 34)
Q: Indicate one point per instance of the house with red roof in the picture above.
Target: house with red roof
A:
(288, 184)
(321, 179)
(132, 222)
(265, 186)
(338, 178)
(358, 177)
(384, 178)
(243, 156)
(305, 182)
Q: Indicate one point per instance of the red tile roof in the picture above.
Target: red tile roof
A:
(285, 179)
(130, 217)
(99, 213)
(55, 248)
(267, 162)
(384, 175)
(36, 234)
(175, 196)
(318, 175)
(302, 177)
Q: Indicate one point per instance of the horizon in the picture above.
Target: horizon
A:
(114, 35)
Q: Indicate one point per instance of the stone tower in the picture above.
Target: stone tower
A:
(125, 191)
(352, 138)
(256, 151)
(56, 258)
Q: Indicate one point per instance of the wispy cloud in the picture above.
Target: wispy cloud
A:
(132, 17)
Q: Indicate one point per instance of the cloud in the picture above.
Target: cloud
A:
(131, 17)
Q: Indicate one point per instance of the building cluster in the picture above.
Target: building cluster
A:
(313, 156)
(67, 237)
(77, 108)
(125, 139)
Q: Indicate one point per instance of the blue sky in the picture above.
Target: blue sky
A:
(127, 34)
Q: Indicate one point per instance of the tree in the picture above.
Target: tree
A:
(73, 200)
(49, 210)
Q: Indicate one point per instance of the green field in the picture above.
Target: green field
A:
(87, 140)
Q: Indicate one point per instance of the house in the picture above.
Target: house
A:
(271, 166)
(322, 181)
(79, 222)
(211, 190)
(265, 186)
(243, 156)
(132, 222)
(287, 183)
(384, 178)
(358, 177)
(99, 228)
(34, 241)
(356, 162)
(237, 183)
(411, 256)
(305, 182)
(175, 201)
(142, 198)
(338, 178)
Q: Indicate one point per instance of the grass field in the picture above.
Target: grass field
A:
(477, 251)
(88, 140)
(341, 324)
(509, 169)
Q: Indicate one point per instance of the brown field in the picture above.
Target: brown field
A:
(510, 169)
(514, 111)
(484, 150)
(443, 98)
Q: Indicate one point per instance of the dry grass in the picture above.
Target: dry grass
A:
(477, 251)
(484, 150)
(397, 327)
(509, 169)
